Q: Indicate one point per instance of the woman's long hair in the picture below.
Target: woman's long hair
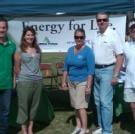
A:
(24, 44)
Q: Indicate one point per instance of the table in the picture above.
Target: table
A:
(45, 113)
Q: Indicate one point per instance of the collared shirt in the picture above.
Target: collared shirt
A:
(106, 46)
(129, 53)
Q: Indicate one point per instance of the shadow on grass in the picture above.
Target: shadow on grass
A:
(13, 130)
(91, 120)
(126, 122)
(38, 126)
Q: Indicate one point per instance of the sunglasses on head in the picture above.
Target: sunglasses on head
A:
(104, 20)
(79, 37)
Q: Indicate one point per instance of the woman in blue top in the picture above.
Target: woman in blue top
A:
(79, 69)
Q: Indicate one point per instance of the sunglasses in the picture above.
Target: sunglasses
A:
(79, 37)
(104, 20)
(133, 31)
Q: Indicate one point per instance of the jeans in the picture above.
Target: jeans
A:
(5, 96)
(103, 94)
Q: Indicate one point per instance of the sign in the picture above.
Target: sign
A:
(56, 34)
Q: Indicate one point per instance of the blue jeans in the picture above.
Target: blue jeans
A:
(5, 96)
(103, 94)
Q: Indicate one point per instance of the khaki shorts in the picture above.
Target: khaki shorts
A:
(78, 99)
(129, 94)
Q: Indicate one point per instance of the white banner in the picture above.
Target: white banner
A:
(56, 34)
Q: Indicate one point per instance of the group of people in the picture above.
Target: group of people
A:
(83, 67)
(98, 67)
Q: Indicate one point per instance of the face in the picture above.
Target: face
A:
(29, 37)
(102, 22)
(132, 34)
(3, 29)
(79, 38)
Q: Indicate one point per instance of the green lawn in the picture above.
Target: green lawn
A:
(52, 57)
(64, 120)
(60, 126)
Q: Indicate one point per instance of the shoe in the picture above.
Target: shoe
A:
(97, 131)
(87, 131)
(76, 130)
(84, 131)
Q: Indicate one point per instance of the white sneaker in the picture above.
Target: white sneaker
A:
(76, 130)
(82, 131)
(97, 131)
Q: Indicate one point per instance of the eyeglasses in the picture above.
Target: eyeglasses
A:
(79, 37)
(104, 20)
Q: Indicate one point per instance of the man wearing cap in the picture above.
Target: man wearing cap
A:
(129, 53)
(108, 50)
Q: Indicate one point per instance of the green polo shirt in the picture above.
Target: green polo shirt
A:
(7, 51)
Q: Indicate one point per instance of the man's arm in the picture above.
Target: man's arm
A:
(17, 62)
(119, 62)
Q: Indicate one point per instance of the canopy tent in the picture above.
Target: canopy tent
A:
(51, 7)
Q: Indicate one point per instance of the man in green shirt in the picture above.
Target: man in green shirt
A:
(7, 50)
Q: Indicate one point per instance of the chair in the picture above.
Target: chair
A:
(59, 72)
(46, 68)
(59, 68)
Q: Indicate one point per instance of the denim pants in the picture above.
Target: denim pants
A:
(103, 94)
(5, 96)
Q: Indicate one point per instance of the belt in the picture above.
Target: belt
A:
(103, 66)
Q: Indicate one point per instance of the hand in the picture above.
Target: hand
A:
(17, 71)
(114, 81)
(14, 83)
(64, 86)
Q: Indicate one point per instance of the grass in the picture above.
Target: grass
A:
(60, 126)
(64, 121)
(52, 57)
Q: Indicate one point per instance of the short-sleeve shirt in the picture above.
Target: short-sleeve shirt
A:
(79, 65)
(106, 46)
(129, 53)
(7, 51)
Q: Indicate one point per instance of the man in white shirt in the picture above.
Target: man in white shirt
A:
(129, 54)
(108, 50)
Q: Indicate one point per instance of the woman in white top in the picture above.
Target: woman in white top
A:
(129, 52)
